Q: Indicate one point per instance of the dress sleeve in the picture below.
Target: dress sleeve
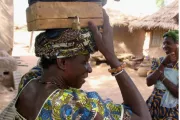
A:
(155, 64)
(77, 104)
(118, 111)
(35, 72)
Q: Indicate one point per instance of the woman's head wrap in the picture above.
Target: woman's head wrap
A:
(174, 34)
(64, 43)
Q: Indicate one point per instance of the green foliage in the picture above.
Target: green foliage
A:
(160, 3)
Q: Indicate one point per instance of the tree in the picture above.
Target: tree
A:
(160, 3)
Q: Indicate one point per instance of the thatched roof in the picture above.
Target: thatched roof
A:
(166, 18)
(117, 18)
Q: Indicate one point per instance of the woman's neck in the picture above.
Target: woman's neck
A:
(51, 76)
(177, 54)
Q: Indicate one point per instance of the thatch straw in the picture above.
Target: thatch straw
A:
(117, 18)
(166, 18)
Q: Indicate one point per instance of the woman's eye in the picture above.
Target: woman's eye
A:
(84, 62)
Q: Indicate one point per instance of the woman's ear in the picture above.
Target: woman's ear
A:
(61, 63)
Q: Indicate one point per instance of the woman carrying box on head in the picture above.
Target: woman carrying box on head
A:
(54, 92)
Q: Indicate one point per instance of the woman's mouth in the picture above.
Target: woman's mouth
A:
(83, 79)
(85, 76)
(167, 51)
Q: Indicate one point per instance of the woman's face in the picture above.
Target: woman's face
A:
(77, 70)
(169, 45)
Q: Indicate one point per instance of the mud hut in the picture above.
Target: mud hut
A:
(6, 25)
(125, 40)
(156, 25)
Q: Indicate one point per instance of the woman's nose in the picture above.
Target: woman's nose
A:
(164, 46)
(88, 67)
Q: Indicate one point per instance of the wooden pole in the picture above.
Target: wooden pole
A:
(31, 40)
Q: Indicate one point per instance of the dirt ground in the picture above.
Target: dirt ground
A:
(99, 80)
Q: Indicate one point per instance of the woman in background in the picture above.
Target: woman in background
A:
(163, 102)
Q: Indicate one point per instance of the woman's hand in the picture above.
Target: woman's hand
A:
(104, 41)
(161, 77)
(170, 58)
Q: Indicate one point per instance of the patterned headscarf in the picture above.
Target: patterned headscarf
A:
(64, 43)
(174, 34)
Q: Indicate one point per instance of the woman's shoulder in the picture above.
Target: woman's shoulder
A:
(158, 60)
(75, 94)
(73, 103)
(70, 103)
(34, 73)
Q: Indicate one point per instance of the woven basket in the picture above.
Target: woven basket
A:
(9, 112)
(142, 71)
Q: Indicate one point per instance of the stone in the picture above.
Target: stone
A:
(142, 71)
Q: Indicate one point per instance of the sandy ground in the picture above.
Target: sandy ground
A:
(99, 80)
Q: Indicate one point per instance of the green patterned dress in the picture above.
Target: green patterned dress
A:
(75, 104)
(155, 101)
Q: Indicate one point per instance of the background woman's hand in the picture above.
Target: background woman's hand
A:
(161, 77)
(104, 41)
